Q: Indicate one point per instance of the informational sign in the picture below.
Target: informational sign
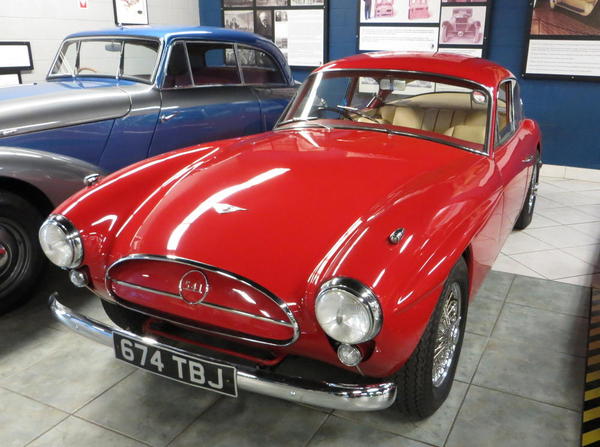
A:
(298, 27)
(15, 56)
(131, 12)
(564, 40)
(424, 25)
(9, 79)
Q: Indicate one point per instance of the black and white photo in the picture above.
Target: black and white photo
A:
(264, 23)
(239, 20)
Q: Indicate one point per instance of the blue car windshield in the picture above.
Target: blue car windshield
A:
(116, 58)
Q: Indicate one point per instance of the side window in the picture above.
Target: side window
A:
(65, 65)
(258, 67)
(178, 71)
(504, 115)
(517, 103)
(213, 63)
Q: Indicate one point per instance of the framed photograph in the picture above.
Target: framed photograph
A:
(131, 12)
(237, 3)
(564, 41)
(297, 27)
(15, 56)
(239, 20)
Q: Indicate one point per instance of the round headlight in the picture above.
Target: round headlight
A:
(348, 311)
(60, 242)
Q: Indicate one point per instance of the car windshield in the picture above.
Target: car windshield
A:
(452, 111)
(115, 58)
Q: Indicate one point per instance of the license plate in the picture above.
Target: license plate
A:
(174, 365)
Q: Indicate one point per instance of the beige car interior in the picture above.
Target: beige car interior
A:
(450, 113)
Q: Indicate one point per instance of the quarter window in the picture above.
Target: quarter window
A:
(258, 67)
(139, 59)
(178, 70)
(504, 115)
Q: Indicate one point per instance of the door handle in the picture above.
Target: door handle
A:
(528, 159)
(166, 117)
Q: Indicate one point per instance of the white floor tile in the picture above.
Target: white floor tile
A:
(554, 264)
(571, 198)
(540, 221)
(583, 280)
(579, 185)
(568, 215)
(593, 210)
(520, 242)
(588, 253)
(561, 236)
(542, 203)
(505, 263)
(591, 229)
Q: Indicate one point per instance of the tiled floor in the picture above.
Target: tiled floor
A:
(519, 381)
(563, 241)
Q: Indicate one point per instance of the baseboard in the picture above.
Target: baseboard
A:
(568, 172)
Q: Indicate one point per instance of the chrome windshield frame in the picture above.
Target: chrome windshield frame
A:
(489, 92)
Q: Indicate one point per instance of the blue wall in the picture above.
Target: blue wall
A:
(567, 111)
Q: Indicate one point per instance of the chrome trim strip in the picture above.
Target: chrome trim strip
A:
(195, 264)
(203, 303)
(347, 397)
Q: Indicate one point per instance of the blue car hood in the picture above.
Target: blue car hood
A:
(47, 105)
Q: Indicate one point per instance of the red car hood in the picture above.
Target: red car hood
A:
(271, 207)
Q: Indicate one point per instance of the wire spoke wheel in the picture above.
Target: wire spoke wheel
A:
(448, 334)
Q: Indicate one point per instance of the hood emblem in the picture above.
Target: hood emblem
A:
(193, 287)
(225, 208)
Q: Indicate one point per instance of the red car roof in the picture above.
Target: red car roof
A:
(475, 69)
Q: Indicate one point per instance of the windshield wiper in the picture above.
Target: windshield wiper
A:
(300, 120)
(357, 111)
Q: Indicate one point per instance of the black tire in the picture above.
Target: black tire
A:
(418, 396)
(124, 318)
(21, 257)
(526, 214)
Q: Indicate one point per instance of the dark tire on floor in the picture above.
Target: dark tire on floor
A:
(420, 390)
(526, 214)
(21, 257)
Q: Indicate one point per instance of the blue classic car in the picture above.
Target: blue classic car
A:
(115, 97)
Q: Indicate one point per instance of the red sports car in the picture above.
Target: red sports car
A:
(330, 261)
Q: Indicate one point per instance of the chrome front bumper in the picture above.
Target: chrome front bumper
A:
(348, 397)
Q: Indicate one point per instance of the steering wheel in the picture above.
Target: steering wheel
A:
(86, 68)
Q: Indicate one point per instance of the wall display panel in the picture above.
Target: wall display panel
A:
(424, 25)
(9, 79)
(15, 56)
(131, 12)
(298, 27)
(564, 40)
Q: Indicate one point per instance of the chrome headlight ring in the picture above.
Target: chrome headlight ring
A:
(366, 302)
(65, 233)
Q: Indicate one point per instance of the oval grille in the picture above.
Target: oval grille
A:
(208, 297)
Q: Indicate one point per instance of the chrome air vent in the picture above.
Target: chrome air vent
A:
(206, 298)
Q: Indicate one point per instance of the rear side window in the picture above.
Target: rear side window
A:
(258, 67)
(213, 64)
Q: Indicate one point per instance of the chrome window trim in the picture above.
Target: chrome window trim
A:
(235, 45)
(364, 295)
(150, 81)
(500, 141)
(489, 91)
(293, 324)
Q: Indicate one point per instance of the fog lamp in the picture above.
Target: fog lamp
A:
(349, 355)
